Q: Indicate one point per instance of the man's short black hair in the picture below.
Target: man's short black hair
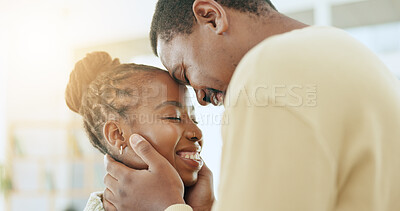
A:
(173, 17)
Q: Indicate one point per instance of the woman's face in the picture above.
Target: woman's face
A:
(165, 117)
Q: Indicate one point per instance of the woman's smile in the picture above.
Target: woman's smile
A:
(191, 157)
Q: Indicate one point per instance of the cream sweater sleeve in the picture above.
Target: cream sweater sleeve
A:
(179, 207)
(95, 202)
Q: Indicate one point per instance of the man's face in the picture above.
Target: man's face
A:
(204, 62)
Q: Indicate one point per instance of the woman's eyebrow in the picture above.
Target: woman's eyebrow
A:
(174, 103)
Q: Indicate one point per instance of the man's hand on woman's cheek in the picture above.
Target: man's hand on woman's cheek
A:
(155, 188)
(201, 195)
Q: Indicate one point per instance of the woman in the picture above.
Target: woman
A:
(118, 100)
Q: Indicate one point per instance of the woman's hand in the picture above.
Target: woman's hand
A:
(201, 195)
(154, 189)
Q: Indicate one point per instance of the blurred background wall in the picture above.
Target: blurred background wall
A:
(46, 161)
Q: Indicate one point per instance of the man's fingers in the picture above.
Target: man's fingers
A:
(205, 171)
(108, 206)
(111, 183)
(109, 196)
(114, 168)
(146, 151)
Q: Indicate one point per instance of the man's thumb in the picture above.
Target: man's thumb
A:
(135, 139)
(145, 150)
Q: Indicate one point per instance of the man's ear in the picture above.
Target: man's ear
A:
(113, 134)
(211, 14)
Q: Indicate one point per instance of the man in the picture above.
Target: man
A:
(312, 115)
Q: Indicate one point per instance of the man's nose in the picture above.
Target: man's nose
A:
(201, 97)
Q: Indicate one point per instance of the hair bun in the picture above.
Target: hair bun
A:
(86, 71)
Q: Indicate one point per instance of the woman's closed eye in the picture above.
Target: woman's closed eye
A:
(171, 118)
(195, 121)
(178, 119)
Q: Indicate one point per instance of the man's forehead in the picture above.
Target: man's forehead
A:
(165, 51)
(160, 50)
(170, 53)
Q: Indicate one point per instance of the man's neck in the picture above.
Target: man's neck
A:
(251, 30)
(274, 24)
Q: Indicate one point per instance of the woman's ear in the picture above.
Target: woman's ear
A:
(113, 134)
(211, 14)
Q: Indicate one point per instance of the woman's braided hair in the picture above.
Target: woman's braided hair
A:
(96, 93)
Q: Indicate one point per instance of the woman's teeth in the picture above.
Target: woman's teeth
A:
(190, 155)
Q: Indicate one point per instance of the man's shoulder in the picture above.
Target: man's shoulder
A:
(309, 53)
(324, 57)
(307, 45)
(305, 39)
(303, 54)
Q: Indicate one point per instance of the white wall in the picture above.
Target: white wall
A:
(3, 92)
(288, 6)
(383, 40)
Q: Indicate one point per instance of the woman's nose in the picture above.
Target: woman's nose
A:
(194, 134)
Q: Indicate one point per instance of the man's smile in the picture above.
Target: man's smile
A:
(215, 97)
